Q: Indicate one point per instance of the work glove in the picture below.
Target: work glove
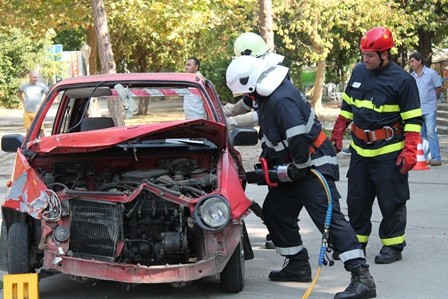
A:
(337, 135)
(247, 120)
(408, 156)
(235, 109)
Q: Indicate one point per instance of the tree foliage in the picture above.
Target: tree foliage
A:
(158, 35)
(19, 54)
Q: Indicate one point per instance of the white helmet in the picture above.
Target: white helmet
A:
(246, 74)
(243, 73)
(250, 43)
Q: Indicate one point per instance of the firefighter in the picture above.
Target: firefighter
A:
(292, 143)
(382, 103)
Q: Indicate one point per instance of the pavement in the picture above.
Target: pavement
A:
(421, 274)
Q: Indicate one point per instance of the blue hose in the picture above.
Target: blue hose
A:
(325, 235)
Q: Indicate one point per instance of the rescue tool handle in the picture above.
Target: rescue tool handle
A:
(264, 165)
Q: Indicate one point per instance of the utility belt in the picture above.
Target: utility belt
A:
(317, 142)
(384, 133)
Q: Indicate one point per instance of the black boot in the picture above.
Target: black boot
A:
(299, 271)
(269, 244)
(361, 285)
(388, 255)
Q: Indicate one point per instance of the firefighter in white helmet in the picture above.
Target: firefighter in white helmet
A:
(293, 143)
(248, 44)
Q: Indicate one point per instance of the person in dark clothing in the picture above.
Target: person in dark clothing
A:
(382, 103)
(292, 144)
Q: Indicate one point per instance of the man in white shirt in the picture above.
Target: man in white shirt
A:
(193, 106)
(31, 95)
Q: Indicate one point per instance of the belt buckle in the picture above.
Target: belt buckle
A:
(389, 133)
(370, 136)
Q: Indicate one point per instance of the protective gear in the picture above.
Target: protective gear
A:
(299, 271)
(250, 43)
(378, 39)
(361, 285)
(284, 173)
(243, 73)
(388, 255)
(272, 58)
(271, 79)
(337, 135)
(248, 120)
(235, 109)
(408, 155)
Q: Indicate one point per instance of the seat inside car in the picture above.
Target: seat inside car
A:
(96, 123)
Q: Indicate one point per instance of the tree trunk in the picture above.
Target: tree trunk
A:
(105, 52)
(266, 30)
(107, 63)
(424, 45)
(316, 101)
(92, 41)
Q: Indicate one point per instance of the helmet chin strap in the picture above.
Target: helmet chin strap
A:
(381, 61)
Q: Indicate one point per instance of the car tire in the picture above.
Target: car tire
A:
(19, 257)
(232, 277)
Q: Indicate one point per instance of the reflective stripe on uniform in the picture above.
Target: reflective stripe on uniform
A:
(369, 153)
(301, 129)
(362, 238)
(347, 99)
(412, 128)
(318, 162)
(360, 103)
(393, 241)
(351, 254)
(278, 148)
(346, 114)
(411, 114)
(289, 250)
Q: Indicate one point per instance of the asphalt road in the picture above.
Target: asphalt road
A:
(421, 274)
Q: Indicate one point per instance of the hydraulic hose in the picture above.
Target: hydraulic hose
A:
(325, 235)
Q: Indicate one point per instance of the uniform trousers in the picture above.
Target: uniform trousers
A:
(282, 207)
(368, 179)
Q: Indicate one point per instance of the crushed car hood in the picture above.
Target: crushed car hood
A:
(91, 141)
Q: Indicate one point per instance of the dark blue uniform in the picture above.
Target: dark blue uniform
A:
(374, 99)
(288, 127)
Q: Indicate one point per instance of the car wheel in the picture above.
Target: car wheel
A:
(19, 249)
(232, 277)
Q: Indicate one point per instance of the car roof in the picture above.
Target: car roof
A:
(185, 77)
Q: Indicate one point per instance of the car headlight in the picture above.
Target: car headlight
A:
(212, 213)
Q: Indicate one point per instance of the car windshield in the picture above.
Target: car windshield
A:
(102, 107)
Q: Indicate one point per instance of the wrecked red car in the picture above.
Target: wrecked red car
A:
(136, 180)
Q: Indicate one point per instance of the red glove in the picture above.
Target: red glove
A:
(408, 156)
(339, 128)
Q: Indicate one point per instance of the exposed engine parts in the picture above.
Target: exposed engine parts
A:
(153, 230)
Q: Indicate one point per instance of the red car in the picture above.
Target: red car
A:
(136, 180)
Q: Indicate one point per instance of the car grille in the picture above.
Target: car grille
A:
(95, 228)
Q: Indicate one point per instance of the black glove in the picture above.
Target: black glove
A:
(297, 174)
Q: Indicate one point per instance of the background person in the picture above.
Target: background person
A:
(381, 101)
(293, 143)
(31, 95)
(193, 105)
(429, 89)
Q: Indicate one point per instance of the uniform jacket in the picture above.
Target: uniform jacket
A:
(288, 126)
(377, 98)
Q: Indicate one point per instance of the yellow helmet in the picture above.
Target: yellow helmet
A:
(250, 43)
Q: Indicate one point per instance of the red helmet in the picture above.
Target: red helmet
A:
(377, 39)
